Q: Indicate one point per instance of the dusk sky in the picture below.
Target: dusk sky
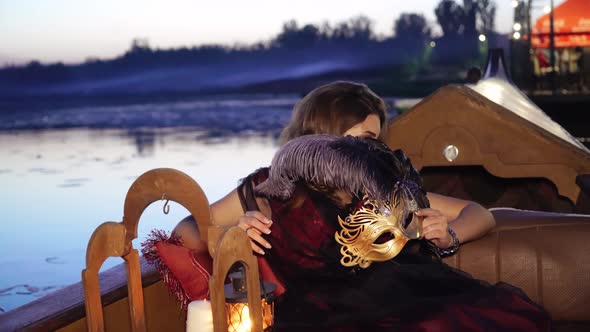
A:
(74, 30)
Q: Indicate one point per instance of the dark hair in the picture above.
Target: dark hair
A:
(333, 109)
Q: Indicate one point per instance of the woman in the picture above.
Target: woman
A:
(412, 292)
(346, 108)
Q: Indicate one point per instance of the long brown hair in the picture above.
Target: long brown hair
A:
(333, 109)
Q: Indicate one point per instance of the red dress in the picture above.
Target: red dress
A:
(414, 291)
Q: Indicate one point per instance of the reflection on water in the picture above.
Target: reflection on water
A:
(57, 186)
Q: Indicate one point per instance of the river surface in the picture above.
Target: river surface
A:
(65, 169)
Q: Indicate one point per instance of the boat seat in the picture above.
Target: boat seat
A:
(113, 239)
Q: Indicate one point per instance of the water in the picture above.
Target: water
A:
(65, 169)
(59, 181)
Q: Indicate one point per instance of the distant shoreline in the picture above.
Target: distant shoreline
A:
(381, 79)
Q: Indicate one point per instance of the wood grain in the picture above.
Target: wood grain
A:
(234, 247)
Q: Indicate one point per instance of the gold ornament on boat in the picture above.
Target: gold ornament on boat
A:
(378, 230)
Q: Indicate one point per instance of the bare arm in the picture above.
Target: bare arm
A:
(228, 212)
(468, 219)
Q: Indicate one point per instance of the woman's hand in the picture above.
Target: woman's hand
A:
(254, 223)
(435, 227)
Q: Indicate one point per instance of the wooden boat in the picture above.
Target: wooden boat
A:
(132, 298)
(496, 149)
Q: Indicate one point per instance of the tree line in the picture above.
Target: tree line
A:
(354, 40)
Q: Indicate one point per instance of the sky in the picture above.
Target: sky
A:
(72, 31)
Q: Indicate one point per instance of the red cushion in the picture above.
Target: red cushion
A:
(185, 272)
(192, 269)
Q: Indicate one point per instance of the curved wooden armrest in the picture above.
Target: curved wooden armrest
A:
(545, 254)
(165, 184)
(509, 218)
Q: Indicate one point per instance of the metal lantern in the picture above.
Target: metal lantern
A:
(245, 304)
(236, 304)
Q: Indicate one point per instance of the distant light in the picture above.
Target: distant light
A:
(516, 26)
(432, 43)
(482, 37)
(514, 3)
(547, 9)
(516, 35)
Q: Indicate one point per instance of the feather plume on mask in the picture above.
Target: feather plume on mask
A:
(353, 164)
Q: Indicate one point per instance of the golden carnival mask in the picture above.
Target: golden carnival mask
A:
(379, 230)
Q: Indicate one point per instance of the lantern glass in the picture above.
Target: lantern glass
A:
(238, 316)
(236, 304)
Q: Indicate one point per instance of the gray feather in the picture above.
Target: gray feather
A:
(355, 165)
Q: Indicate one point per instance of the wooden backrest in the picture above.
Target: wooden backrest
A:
(113, 239)
(546, 255)
(234, 247)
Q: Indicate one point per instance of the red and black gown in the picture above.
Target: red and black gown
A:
(414, 291)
